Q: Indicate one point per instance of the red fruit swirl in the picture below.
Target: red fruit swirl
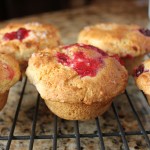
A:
(83, 65)
(20, 34)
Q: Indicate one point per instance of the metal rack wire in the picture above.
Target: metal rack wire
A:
(77, 135)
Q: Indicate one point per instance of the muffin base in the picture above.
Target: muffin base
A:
(77, 111)
(3, 99)
(132, 63)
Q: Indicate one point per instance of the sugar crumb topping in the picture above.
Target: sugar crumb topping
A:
(33, 23)
(37, 35)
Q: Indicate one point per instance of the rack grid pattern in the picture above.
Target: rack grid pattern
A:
(121, 133)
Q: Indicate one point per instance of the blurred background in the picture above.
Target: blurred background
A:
(19, 8)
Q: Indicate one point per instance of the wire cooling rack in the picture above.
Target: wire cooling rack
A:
(77, 136)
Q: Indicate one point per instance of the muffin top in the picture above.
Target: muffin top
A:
(123, 40)
(21, 40)
(142, 76)
(9, 72)
(76, 73)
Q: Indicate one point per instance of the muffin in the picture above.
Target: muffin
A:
(129, 42)
(9, 75)
(21, 40)
(142, 78)
(77, 82)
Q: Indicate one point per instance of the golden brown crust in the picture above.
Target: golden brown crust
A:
(9, 75)
(9, 72)
(77, 111)
(3, 99)
(143, 80)
(119, 39)
(40, 36)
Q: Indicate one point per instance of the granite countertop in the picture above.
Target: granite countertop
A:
(70, 22)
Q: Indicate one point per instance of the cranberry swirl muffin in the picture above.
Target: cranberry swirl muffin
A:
(21, 40)
(77, 82)
(9, 75)
(130, 42)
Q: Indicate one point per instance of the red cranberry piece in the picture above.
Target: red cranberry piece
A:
(85, 66)
(146, 32)
(63, 59)
(20, 34)
(10, 36)
(80, 63)
(139, 70)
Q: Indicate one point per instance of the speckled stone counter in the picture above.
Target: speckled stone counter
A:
(70, 22)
